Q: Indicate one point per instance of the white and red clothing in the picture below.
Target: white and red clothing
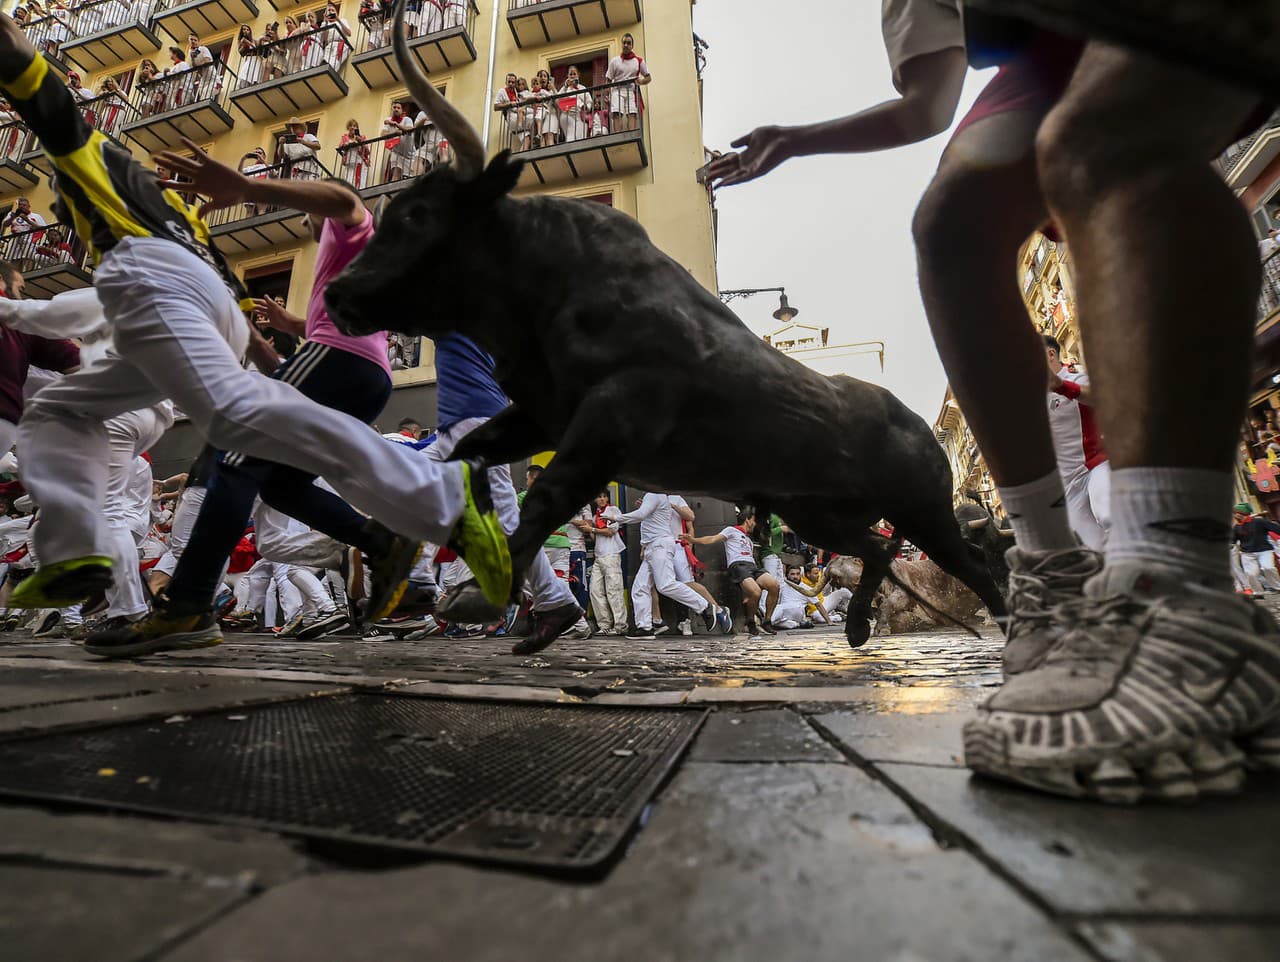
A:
(1082, 460)
(625, 98)
(355, 160)
(738, 547)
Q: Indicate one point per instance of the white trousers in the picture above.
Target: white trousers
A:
(547, 590)
(609, 592)
(658, 570)
(127, 437)
(1088, 494)
(179, 334)
(184, 521)
(287, 541)
(311, 598)
(788, 616)
(1259, 570)
(772, 564)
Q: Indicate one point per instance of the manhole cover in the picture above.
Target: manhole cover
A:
(544, 785)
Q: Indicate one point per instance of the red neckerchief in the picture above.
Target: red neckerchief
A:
(742, 529)
(601, 521)
(630, 55)
(511, 93)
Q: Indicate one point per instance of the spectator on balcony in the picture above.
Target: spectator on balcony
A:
(506, 102)
(78, 90)
(275, 58)
(291, 44)
(412, 16)
(111, 107)
(398, 129)
(374, 18)
(20, 16)
(631, 73)
(528, 113)
(21, 218)
(52, 248)
(1269, 244)
(548, 112)
(337, 38)
(153, 96)
(250, 57)
(575, 105)
(198, 56)
(254, 164)
(11, 132)
(297, 147)
(313, 40)
(353, 149)
(59, 15)
(455, 14)
(428, 149)
(179, 79)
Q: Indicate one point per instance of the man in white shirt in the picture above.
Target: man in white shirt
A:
(399, 147)
(1269, 244)
(740, 559)
(631, 73)
(658, 569)
(298, 148)
(1077, 444)
(608, 592)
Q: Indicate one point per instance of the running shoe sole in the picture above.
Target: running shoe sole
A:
(178, 641)
(324, 626)
(63, 583)
(480, 540)
(404, 555)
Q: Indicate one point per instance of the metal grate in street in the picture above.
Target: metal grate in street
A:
(550, 786)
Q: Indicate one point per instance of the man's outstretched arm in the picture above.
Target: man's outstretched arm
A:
(931, 85)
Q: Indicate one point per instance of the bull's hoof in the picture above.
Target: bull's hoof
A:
(467, 605)
(857, 631)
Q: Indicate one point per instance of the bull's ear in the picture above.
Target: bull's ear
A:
(500, 177)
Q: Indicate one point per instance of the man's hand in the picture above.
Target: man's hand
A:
(275, 316)
(224, 186)
(684, 538)
(766, 148)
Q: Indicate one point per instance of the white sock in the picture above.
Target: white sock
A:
(1038, 511)
(1177, 518)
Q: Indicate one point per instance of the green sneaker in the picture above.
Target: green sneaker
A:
(159, 631)
(479, 538)
(63, 583)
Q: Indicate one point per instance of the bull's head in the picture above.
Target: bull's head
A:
(428, 236)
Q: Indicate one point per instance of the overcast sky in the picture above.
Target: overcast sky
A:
(834, 231)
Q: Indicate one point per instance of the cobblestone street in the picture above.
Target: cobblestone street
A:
(821, 813)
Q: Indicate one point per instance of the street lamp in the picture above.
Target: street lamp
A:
(786, 313)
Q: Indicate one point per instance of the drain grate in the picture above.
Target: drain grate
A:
(536, 785)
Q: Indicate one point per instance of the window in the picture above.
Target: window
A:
(591, 68)
(273, 280)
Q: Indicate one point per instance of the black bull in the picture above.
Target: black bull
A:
(616, 358)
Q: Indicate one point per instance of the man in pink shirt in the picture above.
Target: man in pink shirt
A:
(350, 374)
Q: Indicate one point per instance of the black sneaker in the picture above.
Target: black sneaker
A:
(159, 631)
(767, 627)
(641, 634)
(389, 569)
(709, 615)
(547, 627)
(660, 628)
(324, 625)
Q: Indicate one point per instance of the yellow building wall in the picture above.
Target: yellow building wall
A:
(664, 196)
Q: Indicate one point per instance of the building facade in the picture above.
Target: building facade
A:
(330, 68)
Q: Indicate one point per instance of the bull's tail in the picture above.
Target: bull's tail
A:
(940, 616)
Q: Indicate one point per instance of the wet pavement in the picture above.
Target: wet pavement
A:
(822, 812)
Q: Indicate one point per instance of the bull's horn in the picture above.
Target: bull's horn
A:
(977, 523)
(464, 140)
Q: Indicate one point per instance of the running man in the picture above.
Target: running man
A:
(175, 311)
(753, 580)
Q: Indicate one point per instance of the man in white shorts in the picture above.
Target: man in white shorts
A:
(1082, 461)
(658, 569)
(740, 559)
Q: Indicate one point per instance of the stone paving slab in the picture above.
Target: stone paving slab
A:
(48, 698)
(1171, 942)
(924, 731)
(71, 915)
(774, 735)
(750, 863)
(1217, 857)
(211, 854)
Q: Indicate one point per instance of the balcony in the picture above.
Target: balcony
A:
(251, 227)
(1245, 160)
(108, 114)
(293, 75)
(106, 33)
(51, 260)
(548, 21)
(48, 34)
(1269, 298)
(193, 104)
(181, 18)
(386, 165)
(440, 41)
(15, 176)
(563, 138)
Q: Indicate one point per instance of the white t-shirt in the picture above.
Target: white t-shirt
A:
(913, 28)
(606, 546)
(737, 546)
(677, 522)
(301, 150)
(578, 540)
(620, 69)
(1076, 440)
(654, 515)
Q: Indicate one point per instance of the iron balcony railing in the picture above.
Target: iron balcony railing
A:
(1269, 298)
(547, 119)
(1233, 154)
(99, 16)
(380, 161)
(305, 169)
(43, 247)
(422, 19)
(302, 51)
(15, 140)
(48, 34)
(107, 113)
(212, 82)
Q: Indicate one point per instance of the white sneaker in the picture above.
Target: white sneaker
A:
(686, 628)
(1139, 696)
(580, 629)
(1038, 583)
